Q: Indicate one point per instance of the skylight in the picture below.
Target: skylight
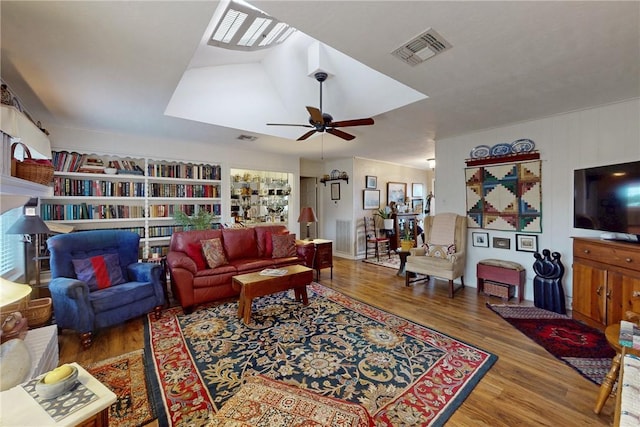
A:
(243, 27)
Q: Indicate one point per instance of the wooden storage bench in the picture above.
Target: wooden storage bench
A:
(494, 275)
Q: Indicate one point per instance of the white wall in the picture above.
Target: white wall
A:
(597, 136)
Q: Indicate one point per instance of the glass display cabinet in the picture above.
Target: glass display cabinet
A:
(260, 196)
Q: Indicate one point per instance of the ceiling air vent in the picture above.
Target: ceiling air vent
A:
(243, 137)
(422, 47)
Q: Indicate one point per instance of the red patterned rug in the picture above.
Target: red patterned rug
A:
(125, 376)
(401, 372)
(582, 347)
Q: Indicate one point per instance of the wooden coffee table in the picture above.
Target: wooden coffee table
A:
(254, 285)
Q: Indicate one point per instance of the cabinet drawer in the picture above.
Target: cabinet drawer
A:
(609, 254)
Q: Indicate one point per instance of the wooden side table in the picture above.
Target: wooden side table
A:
(324, 256)
(20, 409)
(613, 338)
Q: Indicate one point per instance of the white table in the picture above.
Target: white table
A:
(19, 409)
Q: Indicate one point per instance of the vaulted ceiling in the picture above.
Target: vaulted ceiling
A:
(114, 67)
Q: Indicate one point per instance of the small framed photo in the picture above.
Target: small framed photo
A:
(526, 243)
(480, 239)
(371, 199)
(502, 242)
(416, 190)
(371, 182)
(335, 191)
(416, 205)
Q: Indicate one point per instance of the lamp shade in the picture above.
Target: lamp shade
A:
(11, 292)
(307, 215)
(29, 224)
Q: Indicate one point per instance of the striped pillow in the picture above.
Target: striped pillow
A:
(99, 272)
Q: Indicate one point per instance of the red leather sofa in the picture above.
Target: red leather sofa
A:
(247, 250)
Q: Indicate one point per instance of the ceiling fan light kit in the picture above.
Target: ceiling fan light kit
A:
(320, 121)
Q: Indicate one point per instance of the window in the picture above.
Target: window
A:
(244, 27)
(11, 246)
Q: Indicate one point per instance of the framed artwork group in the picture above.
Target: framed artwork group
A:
(524, 242)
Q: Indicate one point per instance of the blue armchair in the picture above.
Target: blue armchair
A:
(97, 281)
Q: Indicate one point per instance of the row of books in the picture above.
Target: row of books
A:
(163, 211)
(97, 188)
(164, 230)
(183, 190)
(65, 161)
(185, 170)
(58, 212)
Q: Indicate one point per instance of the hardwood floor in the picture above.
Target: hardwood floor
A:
(526, 387)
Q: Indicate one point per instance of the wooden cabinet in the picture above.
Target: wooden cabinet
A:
(324, 256)
(606, 280)
(404, 224)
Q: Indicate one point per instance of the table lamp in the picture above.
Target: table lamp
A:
(309, 216)
(29, 224)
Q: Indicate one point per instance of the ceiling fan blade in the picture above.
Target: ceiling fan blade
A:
(355, 122)
(316, 115)
(341, 134)
(288, 124)
(306, 135)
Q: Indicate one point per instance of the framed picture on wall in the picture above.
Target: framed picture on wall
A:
(371, 182)
(502, 242)
(480, 240)
(526, 243)
(416, 190)
(371, 199)
(335, 191)
(417, 205)
(396, 192)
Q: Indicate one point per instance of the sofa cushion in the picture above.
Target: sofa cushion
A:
(263, 238)
(240, 243)
(99, 272)
(251, 265)
(262, 401)
(194, 250)
(283, 245)
(440, 251)
(214, 253)
(115, 296)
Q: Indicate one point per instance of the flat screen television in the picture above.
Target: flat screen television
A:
(607, 198)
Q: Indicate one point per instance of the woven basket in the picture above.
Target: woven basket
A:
(37, 312)
(30, 169)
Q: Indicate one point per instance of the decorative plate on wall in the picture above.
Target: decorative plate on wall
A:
(480, 152)
(522, 146)
(501, 149)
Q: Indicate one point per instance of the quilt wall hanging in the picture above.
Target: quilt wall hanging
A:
(505, 197)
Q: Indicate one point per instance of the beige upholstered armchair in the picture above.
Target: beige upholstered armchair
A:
(444, 253)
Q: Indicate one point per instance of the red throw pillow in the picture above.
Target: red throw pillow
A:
(284, 245)
(99, 272)
(194, 251)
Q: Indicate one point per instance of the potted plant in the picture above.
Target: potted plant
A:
(200, 221)
(386, 218)
(406, 241)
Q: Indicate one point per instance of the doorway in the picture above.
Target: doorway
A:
(309, 197)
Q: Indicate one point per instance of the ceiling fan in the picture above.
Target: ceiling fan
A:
(323, 122)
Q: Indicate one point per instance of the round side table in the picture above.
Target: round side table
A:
(613, 335)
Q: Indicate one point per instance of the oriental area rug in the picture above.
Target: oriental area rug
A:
(402, 373)
(125, 376)
(582, 347)
(394, 262)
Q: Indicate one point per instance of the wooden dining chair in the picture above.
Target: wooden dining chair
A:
(375, 242)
